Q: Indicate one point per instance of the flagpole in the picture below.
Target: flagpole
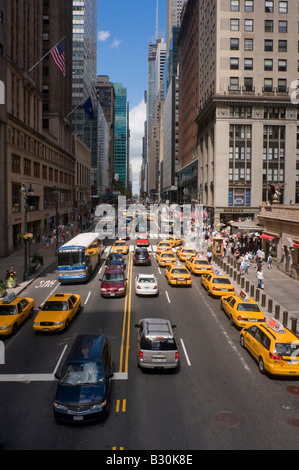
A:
(76, 107)
(46, 54)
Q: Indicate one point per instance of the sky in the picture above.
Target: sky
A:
(125, 29)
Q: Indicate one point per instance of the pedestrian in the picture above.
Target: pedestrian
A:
(209, 255)
(269, 261)
(260, 279)
(259, 265)
(246, 266)
(47, 241)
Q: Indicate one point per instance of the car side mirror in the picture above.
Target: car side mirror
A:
(57, 376)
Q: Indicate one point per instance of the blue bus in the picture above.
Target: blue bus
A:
(78, 258)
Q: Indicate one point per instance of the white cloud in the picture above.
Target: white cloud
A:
(137, 119)
(103, 35)
(115, 43)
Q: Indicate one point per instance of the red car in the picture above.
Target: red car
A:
(114, 282)
(142, 240)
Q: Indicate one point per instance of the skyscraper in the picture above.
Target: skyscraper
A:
(121, 134)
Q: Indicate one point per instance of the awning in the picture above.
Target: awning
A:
(266, 237)
(296, 245)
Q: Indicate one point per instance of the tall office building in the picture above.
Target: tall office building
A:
(84, 80)
(121, 134)
(246, 142)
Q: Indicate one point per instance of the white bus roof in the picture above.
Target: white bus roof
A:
(83, 239)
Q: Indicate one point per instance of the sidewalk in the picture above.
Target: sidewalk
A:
(16, 260)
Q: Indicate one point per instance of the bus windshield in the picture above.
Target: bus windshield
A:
(71, 258)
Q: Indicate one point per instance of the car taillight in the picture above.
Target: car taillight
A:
(189, 278)
(177, 355)
(240, 318)
(134, 257)
(155, 287)
(140, 355)
(172, 278)
(275, 357)
(214, 288)
(138, 287)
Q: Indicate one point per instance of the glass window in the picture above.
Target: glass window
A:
(234, 5)
(234, 63)
(268, 84)
(283, 7)
(268, 64)
(248, 44)
(282, 26)
(234, 83)
(282, 65)
(249, 5)
(268, 45)
(234, 24)
(248, 64)
(269, 28)
(282, 45)
(234, 44)
(269, 6)
(248, 25)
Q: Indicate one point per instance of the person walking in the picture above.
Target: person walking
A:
(209, 255)
(269, 261)
(260, 279)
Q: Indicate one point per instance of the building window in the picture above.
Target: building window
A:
(248, 25)
(268, 64)
(234, 5)
(234, 44)
(36, 170)
(248, 84)
(269, 6)
(269, 28)
(282, 65)
(283, 7)
(15, 163)
(248, 44)
(249, 5)
(27, 167)
(282, 85)
(282, 26)
(234, 84)
(234, 63)
(282, 45)
(248, 64)
(234, 24)
(268, 84)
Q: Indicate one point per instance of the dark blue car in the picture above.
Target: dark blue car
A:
(115, 259)
(83, 391)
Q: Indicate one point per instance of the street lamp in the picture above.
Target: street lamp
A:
(26, 192)
(56, 190)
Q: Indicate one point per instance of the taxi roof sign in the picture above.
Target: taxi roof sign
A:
(244, 296)
(276, 326)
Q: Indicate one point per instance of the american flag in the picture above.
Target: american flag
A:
(57, 54)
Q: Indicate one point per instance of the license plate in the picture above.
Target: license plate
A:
(224, 290)
(181, 279)
(78, 418)
(292, 363)
(112, 295)
(252, 319)
(46, 329)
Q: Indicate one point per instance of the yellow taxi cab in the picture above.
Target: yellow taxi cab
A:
(57, 312)
(241, 310)
(163, 246)
(174, 240)
(120, 246)
(13, 312)
(184, 253)
(273, 346)
(178, 275)
(217, 284)
(198, 265)
(165, 258)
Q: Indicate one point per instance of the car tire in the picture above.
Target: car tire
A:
(261, 366)
(242, 341)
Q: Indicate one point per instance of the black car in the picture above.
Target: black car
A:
(83, 391)
(115, 259)
(141, 257)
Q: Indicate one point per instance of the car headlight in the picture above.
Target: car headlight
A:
(99, 406)
(36, 323)
(4, 327)
(59, 406)
(103, 289)
(58, 323)
(121, 289)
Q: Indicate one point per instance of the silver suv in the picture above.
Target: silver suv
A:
(156, 344)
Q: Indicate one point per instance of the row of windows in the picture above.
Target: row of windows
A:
(268, 64)
(235, 5)
(282, 45)
(269, 85)
(249, 25)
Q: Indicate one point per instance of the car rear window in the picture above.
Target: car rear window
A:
(287, 349)
(7, 309)
(180, 271)
(248, 308)
(158, 344)
(221, 280)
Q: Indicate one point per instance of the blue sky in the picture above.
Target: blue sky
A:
(125, 29)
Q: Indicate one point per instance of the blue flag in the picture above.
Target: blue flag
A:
(88, 108)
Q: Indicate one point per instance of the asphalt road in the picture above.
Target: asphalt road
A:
(217, 399)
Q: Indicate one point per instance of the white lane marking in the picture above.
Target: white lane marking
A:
(167, 296)
(185, 352)
(87, 298)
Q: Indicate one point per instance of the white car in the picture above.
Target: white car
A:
(146, 284)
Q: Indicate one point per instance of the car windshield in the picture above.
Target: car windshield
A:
(287, 349)
(180, 271)
(113, 277)
(248, 308)
(201, 262)
(83, 373)
(7, 309)
(167, 255)
(221, 280)
(158, 344)
(55, 305)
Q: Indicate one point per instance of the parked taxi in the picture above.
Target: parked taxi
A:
(178, 275)
(13, 312)
(57, 313)
(166, 258)
(163, 246)
(174, 240)
(120, 246)
(273, 346)
(198, 265)
(217, 284)
(241, 310)
(184, 253)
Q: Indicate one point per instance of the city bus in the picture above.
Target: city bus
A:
(78, 258)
